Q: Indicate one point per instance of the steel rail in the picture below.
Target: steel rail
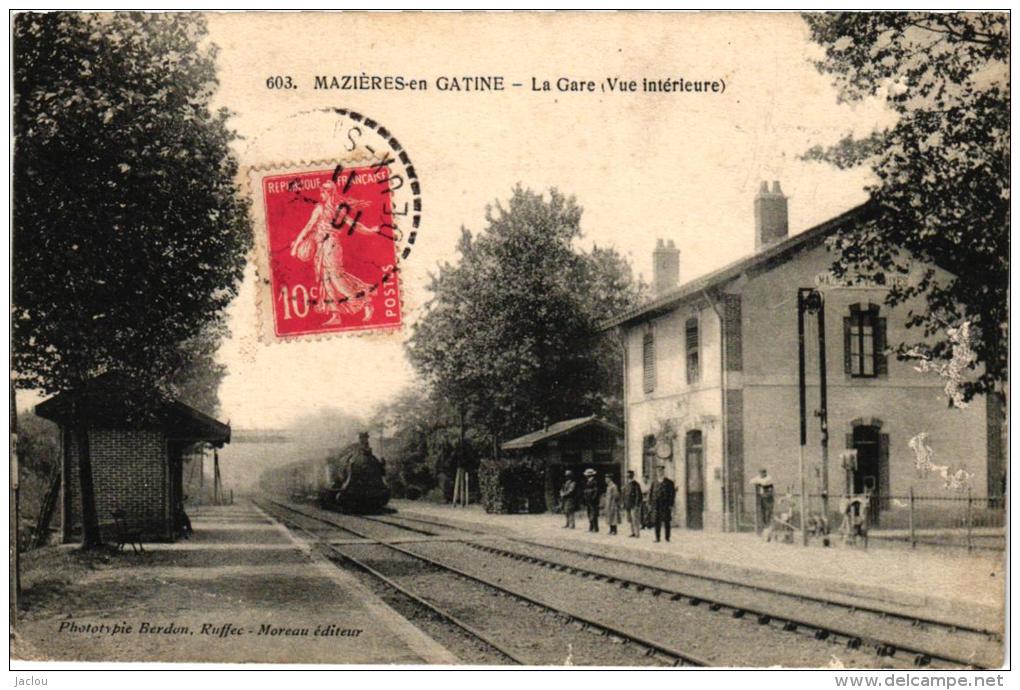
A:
(679, 657)
(914, 620)
(883, 647)
(442, 613)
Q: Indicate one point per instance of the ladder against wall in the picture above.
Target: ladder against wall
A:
(41, 535)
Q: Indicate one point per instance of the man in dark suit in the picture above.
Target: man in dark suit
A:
(591, 499)
(662, 496)
(632, 503)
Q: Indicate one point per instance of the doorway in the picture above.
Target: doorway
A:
(872, 473)
(694, 462)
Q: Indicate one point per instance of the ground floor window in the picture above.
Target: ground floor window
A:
(648, 458)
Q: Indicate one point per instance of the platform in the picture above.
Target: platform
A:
(242, 589)
(946, 583)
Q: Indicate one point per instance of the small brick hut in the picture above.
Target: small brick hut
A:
(137, 441)
(574, 444)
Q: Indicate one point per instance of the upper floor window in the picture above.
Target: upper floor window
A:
(648, 361)
(693, 351)
(864, 342)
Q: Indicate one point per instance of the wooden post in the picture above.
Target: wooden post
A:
(970, 520)
(913, 536)
(758, 527)
(457, 477)
(467, 488)
(13, 548)
(217, 487)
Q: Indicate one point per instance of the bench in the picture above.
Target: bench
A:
(125, 534)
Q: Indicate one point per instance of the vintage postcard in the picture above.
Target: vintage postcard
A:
(642, 339)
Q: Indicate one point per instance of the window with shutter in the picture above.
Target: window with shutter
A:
(648, 359)
(864, 344)
(693, 356)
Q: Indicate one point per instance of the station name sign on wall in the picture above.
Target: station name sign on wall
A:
(854, 281)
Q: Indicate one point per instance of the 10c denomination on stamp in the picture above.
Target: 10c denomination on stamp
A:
(330, 236)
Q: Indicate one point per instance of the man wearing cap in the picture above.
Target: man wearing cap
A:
(591, 499)
(567, 500)
(661, 496)
(632, 503)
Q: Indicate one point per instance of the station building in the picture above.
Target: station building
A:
(711, 382)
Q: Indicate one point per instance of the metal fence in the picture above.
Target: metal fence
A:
(965, 520)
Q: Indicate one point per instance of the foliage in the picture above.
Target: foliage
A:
(942, 169)
(38, 463)
(512, 485)
(130, 235)
(422, 444)
(511, 336)
(196, 376)
(129, 232)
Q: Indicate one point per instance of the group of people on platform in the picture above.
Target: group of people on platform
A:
(654, 509)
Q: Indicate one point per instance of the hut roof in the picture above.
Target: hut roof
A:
(115, 401)
(558, 429)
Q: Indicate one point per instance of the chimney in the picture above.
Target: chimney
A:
(665, 266)
(771, 218)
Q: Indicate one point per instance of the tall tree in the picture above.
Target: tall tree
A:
(942, 170)
(196, 376)
(130, 234)
(511, 336)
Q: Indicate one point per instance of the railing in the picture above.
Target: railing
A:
(964, 520)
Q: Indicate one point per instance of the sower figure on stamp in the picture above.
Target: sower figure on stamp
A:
(612, 504)
(567, 498)
(764, 499)
(661, 496)
(591, 499)
(632, 503)
(339, 292)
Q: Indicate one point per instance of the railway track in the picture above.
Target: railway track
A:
(647, 651)
(753, 638)
(944, 645)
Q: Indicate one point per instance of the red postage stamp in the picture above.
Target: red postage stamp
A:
(330, 251)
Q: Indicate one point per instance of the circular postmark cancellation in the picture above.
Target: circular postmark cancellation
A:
(331, 234)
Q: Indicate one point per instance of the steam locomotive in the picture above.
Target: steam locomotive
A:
(352, 481)
(357, 481)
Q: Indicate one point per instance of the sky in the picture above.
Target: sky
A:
(643, 166)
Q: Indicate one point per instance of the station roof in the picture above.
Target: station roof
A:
(115, 401)
(765, 258)
(558, 429)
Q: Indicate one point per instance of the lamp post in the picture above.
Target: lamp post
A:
(810, 300)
